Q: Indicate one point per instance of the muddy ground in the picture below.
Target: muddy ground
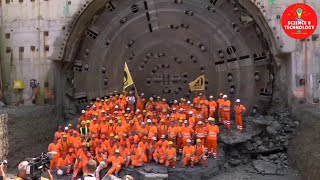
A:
(31, 129)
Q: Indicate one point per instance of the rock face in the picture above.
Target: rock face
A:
(265, 167)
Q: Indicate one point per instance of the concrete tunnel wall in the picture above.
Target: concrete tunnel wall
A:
(33, 33)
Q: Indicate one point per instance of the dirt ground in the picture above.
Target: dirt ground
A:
(31, 129)
(304, 152)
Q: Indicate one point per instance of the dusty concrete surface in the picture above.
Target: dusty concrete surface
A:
(31, 129)
(304, 149)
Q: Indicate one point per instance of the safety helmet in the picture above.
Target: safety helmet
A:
(224, 96)
(198, 140)
(238, 100)
(170, 143)
(188, 141)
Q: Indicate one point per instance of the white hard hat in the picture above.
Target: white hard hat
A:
(190, 112)
(59, 172)
(181, 109)
(209, 118)
(200, 122)
(128, 109)
(185, 121)
(188, 140)
(173, 108)
(83, 111)
(143, 123)
(138, 110)
(116, 106)
(154, 138)
(211, 97)
(93, 106)
(116, 112)
(175, 101)
(188, 102)
(103, 111)
(163, 136)
(66, 128)
(224, 96)
(149, 120)
(117, 151)
(238, 100)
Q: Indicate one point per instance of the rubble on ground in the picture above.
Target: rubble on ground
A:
(264, 143)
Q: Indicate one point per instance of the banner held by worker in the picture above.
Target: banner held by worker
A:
(127, 81)
(198, 84)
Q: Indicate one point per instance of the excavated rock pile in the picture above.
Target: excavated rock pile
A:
(263, 144)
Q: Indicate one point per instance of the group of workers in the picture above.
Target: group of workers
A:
(127, 130)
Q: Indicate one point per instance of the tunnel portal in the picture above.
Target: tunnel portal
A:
(169, 43)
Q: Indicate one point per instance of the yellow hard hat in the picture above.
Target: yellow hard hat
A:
(212, 119)
(88, 121)
(180, 120)
(111, 134)
(144, 110)
(119, 121)
(97, 99)
(198, 140)
(110, 122)
(64, 135)
(116, 137)
(170, 143)
(83, 122)
(151, 99)
(124, 135)
(162, 120)
(164, 110)
(70, 125)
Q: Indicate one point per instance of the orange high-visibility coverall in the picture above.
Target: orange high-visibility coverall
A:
(199, 155)
(187, 133)
(62, 163)
(94, 128)
(137, 156)
(226, 113)
(192, 121)
(80, 163)
(152, 132)
(172, 135)
(111, 150)
(151, 149)
(142, 131)
(164, 143)
(187, 155)
(171, 157)
(201, 134)
(140, 103)
(212, 108)
(64, 147)
(120, 130)
(212, 139)
(55, 148)
(162, 130)
(125, 153)
(72, 158)
(199, 117)
(179, 137)
(116, 164)
(239, 109)
(220, 111)
(144, 146)
(150, 105)
(160, 154)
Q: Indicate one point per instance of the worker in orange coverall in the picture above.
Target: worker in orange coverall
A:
(171, 155)
(226, 104)
(117, 161)
(188, 154)
(212, 138)
(199, 154)
(239, 109)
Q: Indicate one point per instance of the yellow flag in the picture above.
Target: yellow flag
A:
(127, 81)
(198, 84)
